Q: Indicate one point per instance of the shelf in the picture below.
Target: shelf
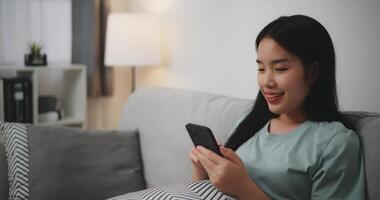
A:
(66, 82)
(64, 122)
(48, 67)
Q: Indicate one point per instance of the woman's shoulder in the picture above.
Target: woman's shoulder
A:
(334, 133)
(332, 127)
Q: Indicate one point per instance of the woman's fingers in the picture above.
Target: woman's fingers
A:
(208, 165)
(194, 159)
(199, 172)
(210, 155)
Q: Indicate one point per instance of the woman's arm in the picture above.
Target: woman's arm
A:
(340, 174)
(228, 173)
(251, 191)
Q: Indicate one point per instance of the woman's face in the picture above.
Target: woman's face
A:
(281, 78)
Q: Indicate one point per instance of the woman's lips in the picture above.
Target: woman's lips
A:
(274, 98)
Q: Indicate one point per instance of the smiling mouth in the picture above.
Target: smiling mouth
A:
(273, 98)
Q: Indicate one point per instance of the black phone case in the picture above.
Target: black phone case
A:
(203, 136)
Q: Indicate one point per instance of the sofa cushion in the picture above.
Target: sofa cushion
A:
(71, 163)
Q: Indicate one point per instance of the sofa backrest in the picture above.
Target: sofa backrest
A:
(160, 115)
(368, 127)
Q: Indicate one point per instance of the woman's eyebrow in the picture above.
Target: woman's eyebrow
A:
(281, 60)
(276, 61)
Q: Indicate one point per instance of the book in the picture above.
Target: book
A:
(18, 97)
(18, 100)
(28, 91)
(8, 100)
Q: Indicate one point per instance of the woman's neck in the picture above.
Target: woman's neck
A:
(285, 123)
(292, 118)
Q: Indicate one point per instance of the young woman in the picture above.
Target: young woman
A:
(294, 144)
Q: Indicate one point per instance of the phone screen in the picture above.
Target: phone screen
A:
(203, 136)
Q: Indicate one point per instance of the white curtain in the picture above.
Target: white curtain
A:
(45, 21)
(1, 32)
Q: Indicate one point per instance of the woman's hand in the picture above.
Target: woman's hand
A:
(228, 174)
(199, 173)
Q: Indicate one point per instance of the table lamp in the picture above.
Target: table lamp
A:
(132, 40)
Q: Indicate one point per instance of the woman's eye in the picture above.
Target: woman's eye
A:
(281, 69)
(260, 69)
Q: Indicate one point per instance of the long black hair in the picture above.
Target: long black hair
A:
(307, 39)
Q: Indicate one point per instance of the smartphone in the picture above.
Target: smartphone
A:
(203, 136)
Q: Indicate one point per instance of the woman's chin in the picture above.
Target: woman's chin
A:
(276, 110)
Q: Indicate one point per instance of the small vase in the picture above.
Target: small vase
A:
(35, 60)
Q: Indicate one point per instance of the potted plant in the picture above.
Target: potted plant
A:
(35, 56)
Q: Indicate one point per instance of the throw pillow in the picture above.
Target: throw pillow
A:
(17, 153)
(191, 190)
(4, 185)
(71, 163)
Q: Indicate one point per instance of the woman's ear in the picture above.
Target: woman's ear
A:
(313, 72)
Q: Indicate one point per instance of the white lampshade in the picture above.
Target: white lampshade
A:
(132, 39)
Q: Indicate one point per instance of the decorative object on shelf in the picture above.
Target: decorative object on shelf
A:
(132, 40)
(49, 109)
(35, 56)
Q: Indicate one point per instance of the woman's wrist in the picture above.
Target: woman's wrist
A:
(197, 176)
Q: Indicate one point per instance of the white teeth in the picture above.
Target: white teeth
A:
(275, 95)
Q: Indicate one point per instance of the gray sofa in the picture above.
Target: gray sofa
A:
(160, 115)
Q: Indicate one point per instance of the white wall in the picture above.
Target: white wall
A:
(44, 21)
(1, 31)
(211, 44)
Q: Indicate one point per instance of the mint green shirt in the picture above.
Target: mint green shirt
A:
(317, 160)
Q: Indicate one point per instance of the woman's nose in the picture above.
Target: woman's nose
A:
(269, 80)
